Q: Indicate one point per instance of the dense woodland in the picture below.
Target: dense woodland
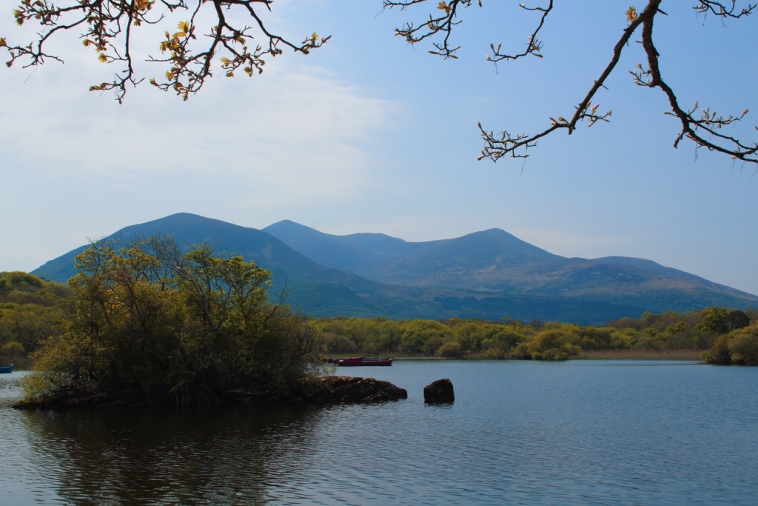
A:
(158, 323)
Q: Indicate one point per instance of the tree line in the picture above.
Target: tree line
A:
(731, 332)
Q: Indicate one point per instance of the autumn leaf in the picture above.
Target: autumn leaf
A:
(443, 6)
(631, 14)
(184, 27)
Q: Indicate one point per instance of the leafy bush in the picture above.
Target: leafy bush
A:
(737, 347)
(451, 349)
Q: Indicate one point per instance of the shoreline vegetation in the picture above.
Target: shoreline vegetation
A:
(146, 322)
(714, 335)
(683, 355)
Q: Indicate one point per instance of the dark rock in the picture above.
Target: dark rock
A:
(439, 391)
(347, 389)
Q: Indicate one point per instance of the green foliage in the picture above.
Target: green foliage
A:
(554, 344)
(31, 310)
(511, 339)
(714, 320)
(423, 337)
(156, 324)
(738, 319)
(738, 347)
(450, 349)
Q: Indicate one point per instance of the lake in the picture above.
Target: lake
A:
(576, 432)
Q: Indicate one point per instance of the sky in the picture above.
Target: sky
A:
(370, 134)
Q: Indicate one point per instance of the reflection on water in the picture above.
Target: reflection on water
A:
(131, 456)
(519, 432)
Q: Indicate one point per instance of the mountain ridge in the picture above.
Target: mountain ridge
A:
(488, 274)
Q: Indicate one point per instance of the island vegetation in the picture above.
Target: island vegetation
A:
(148, 322)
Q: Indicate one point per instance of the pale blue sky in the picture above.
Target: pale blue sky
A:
(369, 134)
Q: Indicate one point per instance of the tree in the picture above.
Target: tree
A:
(154, 323)
(714, 320)
(738, 347)
(109, 27)
(705, 129)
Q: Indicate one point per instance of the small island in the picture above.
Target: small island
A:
(148, 323)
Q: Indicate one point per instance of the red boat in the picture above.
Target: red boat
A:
(363, 361)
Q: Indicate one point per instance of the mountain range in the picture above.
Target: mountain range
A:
(489, 274)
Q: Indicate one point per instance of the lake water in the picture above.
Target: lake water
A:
(577, 432)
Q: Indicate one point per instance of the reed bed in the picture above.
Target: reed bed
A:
(638, 355)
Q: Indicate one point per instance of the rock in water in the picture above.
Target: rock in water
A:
(347, 389)
(439, 391)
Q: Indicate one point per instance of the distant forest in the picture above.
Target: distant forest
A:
(32, 311)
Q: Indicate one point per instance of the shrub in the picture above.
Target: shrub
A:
(737, 347)
(451, 349)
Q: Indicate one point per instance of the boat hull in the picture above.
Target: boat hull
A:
(363, 362)
(6, 369)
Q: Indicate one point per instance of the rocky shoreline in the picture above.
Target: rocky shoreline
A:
(321, 391)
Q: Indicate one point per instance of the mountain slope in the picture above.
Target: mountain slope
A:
(378, 257)
(489, 274)
(288, 268)
(362, 254)
(474, 261)
(494, 262)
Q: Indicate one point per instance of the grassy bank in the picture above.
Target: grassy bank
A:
(638, 355)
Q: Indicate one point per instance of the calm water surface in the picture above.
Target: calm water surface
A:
(578, 432)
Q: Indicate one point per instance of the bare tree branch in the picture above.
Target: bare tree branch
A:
(705, 130)
(442, 23)
(109, 28)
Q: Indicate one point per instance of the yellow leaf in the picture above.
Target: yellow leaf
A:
(631, 14)
(444, 7)
(184, 27)
(102, 57)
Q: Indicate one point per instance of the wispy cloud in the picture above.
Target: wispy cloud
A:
(298, 131)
